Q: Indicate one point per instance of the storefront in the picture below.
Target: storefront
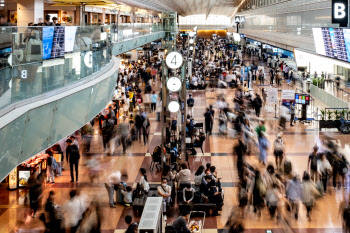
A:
(19, 176)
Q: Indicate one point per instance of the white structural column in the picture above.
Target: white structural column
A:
(29, 11)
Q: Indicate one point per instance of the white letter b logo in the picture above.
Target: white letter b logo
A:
(339, 10)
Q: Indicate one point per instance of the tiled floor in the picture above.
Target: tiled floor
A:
(217, 150)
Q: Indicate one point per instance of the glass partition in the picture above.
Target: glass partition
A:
(36, 60)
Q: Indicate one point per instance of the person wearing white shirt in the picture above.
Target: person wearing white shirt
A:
(229, 78)
(73, 211)
(74, 142)
(195, 81)
(143, 180)
(113, 179)
(164, 191)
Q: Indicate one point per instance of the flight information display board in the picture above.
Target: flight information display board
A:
(333, 42)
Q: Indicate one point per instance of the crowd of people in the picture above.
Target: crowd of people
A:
(216, 64)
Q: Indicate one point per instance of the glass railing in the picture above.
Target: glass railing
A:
(36, 60)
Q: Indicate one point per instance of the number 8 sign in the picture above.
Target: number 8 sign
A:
(174, 60)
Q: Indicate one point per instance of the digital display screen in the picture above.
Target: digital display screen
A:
(302, 99)
(332, 42)
(53, 42)
(58, 47)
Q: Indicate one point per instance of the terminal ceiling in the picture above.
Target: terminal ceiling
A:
(183, 7)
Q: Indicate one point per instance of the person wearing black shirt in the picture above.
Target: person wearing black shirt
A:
(208, 121)
(190, 104)
(72, 153)
(132, 226)
(180, 225)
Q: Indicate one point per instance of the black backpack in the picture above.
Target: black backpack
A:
(313, 164)
(346, 215)
(75, 155)
(287, 167)
(191, 103)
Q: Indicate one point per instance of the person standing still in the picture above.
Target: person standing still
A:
(154, 98)
(51, 167)
(73, 156)
(190, 104)
(292, 113)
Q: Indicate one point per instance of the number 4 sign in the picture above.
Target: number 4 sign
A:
(174, 60)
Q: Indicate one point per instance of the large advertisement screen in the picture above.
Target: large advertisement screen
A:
(48, 33)
(333, 42)
(53, 42)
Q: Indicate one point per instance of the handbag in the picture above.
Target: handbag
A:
(205, 199)
(139, 192)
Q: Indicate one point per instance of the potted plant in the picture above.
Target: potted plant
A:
(323, 114)
(331, 121)
(343, 113)
(330, 114)
(337, 115)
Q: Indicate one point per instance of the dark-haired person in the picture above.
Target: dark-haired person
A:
(184, 175)
(54, 218)
(47, 21)
(198, 176)
(55, 21)
(73, 211)
(73, 155)
(132, 226)
(143, 180)
(164, 190)
(180, 224)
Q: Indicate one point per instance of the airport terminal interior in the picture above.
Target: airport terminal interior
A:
(188, 116)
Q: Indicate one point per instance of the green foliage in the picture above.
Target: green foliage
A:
(323, 114)
(337, 114)
(330, 114)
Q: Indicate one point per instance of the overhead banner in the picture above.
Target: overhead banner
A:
(340, 12)
(69, 38)
(272, 95)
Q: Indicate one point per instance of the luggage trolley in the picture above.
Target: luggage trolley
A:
(200, 222)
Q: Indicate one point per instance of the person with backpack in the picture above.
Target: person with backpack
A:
(190, 104)
(73, 155)
(312, 164)
(51, 167)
